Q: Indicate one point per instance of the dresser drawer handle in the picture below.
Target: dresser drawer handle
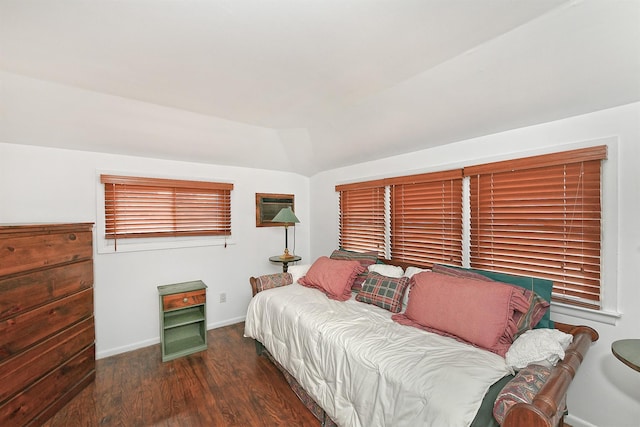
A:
(185, 299)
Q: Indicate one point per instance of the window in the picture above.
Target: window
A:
(541, 215)
(426, 218)
(536, 216)
(362, 217)
(151, 207)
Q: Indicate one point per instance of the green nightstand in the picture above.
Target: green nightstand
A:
(183, 319)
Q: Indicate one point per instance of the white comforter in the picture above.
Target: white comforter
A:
(366, 370)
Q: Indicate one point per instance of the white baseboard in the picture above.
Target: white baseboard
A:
(577, 422)
(226, 322)
(156, 340)
(126, 348)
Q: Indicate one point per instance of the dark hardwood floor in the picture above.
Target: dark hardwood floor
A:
(227, 385)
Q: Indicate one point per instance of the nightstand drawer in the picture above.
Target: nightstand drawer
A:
(184, 299)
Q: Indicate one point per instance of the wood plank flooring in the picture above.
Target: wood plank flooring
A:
(227, 385)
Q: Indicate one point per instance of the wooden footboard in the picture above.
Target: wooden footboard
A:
(546, 404)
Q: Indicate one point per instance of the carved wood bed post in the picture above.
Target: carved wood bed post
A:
(254, 286)
(541, 412)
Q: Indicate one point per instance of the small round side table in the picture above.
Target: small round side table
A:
(285, 262)
(628, 351)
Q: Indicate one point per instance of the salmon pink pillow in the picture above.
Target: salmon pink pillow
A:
(481, 313)
(364, 258)
(333, 277)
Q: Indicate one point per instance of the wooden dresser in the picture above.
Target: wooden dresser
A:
(47, 334)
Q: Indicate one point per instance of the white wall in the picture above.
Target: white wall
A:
(54, 185)
(605, 392)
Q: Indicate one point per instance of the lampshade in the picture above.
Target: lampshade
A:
(286, 215)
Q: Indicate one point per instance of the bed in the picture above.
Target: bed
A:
(355, 363)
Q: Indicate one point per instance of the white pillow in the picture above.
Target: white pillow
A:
(297, 271)
(386, 270)
(410, 271)
(540, 346)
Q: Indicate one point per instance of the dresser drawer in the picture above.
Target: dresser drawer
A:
(22, 370)
(47, 396)
(19, 332)
(20, 253)
(28, 291)
(184, 299)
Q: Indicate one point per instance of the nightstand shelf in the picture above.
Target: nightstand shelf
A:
(183, 319)
(185, 316)
(186, 339)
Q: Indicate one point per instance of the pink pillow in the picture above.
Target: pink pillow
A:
(537, 305)
(481, 313)
(333, 277)
(364, 258)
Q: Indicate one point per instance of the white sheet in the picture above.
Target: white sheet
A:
(366, 370)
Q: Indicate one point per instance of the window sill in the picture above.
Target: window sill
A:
(107, 246)
(560, 310)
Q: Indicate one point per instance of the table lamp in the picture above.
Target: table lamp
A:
(287, 217)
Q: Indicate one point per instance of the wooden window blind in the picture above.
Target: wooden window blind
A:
(425, 212)
(426, 218)
(362, 218)
(151, 207)
(541, 216)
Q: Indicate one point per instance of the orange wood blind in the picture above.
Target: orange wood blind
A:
(426, 217)
(362, 220)
(151, 207)
(541, 216)
(426, 220)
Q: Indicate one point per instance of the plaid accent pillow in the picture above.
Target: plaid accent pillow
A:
(270, 281)
(537, 305)
(522, 389)
(364, 258)
(383, 291)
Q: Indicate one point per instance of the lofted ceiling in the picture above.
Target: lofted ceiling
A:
(304, 85)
